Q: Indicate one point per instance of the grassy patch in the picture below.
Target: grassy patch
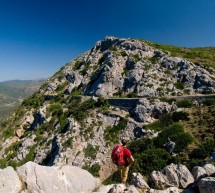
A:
(204, 56)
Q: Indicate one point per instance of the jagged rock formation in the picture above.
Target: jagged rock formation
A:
(66, 123)
(173, 178)
(70, 179)
(35, 178)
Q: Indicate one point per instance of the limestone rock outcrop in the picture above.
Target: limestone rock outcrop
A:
(172, 175)
(9, 181)
(32, 177)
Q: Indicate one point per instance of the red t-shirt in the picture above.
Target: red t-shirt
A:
(127, 154)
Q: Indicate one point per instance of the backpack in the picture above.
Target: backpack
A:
(118, 155)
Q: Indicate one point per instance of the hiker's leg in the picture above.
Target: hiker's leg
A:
(124, 174)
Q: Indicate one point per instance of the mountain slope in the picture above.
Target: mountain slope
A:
(74, 119)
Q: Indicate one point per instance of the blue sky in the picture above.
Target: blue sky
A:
(37, 37)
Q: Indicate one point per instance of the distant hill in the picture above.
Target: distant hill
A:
(14, 91)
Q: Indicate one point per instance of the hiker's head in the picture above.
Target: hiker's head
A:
(124, 141)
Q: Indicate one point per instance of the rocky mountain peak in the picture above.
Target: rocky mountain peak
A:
(119, 67)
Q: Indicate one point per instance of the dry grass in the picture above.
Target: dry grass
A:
(201, 124)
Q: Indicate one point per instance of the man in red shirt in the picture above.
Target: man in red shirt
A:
(129, 160)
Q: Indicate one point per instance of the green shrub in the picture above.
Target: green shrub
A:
(113, 48)
(203, 151)
(184, 104)
(3, 163)
(153, 159)
(148, 157)
(179, 85)
(76, 91)
(56, 109)
(112, 133)
(102, 102)
(164, 121)
(67, 143)
(60, 87)
(94, 169)
(78, 65)
(118, 94)
(123, 53)
(154, 59)
(85, 69)
(63, 123)
(34, 101)
(7, 133)
(176, 133)
(170, 100)
(136, 58)
(112, 179)
(132, 95)
(79, 110)
(187, 91)
(167, 71)
(209, 102)
(180, 116)
(90, 151)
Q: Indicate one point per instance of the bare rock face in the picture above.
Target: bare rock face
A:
(160, 180)
(210, 169)
(146, 111)
(139, 182)
(56, 180)
(184, 176)
(199, 173)
(9, 181)
(117, 188)
(172, 175)
(170, 172)
(207, 185)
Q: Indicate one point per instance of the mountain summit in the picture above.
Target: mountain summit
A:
(119, 67)
(109, 92)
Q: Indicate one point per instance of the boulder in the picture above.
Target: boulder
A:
(207, 185)
(184, 176)
(55, 179)
(139, 182)
(9, 181)
(198, 173)
(172, 175)
(210, 169)
(160, 180)
(117, 188)
(170, 172)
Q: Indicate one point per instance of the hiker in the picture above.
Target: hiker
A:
(123, 158)
(170, 145)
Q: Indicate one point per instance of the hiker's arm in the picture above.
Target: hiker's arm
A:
(131, 160)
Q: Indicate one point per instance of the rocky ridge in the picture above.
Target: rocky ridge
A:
(173, 178)
(68, 121)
